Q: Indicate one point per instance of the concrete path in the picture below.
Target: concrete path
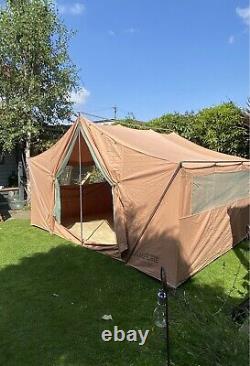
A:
(20, 214)
(15, 214)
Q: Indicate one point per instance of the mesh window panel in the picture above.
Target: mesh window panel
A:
(70, 175)
(218, 189)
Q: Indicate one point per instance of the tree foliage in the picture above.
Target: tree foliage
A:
(36, 73)
(183, 124)
(223, 128)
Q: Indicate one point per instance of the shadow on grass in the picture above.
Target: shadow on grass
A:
(51, 306)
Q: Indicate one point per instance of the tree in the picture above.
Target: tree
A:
(247, 109)
(36, 73)
(246, 116)
(183, 124)
(221, 128)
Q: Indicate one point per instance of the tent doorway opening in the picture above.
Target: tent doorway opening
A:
(86, 201)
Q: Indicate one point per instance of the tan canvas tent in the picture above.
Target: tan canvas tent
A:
(164, 200)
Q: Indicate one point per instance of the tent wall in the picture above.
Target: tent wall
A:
(183, 242)
(97, 200)
(160, 245)
(206, 235)
(42, 169)
(86, 157)
(42, 197)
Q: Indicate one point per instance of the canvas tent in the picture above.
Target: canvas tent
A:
(163, 200)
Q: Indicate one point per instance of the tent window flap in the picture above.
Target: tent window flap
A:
(218, 189)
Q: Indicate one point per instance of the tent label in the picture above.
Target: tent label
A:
(147, 257)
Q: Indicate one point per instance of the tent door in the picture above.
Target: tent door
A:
(86, 200)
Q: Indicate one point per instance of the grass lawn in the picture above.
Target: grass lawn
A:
(37, 327)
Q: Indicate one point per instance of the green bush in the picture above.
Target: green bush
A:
(223, 128)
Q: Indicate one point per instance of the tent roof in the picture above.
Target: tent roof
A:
(170, 147)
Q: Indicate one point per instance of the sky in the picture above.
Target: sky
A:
(153, 57)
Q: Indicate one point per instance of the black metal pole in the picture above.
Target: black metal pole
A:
(164, 287)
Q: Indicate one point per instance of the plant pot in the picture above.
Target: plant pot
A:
(16, 204)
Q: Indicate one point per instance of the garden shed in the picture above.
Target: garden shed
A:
(144, 198)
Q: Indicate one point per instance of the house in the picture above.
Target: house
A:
(8, 168)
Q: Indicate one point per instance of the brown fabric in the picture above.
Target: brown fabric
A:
(152, 195)
(97, 200)
(42, 170)
(212, 233)
(86, 158)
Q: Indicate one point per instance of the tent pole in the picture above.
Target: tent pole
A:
(214, 161)
(80, 182)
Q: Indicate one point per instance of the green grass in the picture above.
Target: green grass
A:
(37, 328)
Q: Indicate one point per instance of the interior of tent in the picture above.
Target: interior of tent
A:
(86, 202)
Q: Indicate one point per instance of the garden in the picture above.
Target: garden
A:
(54, 295)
